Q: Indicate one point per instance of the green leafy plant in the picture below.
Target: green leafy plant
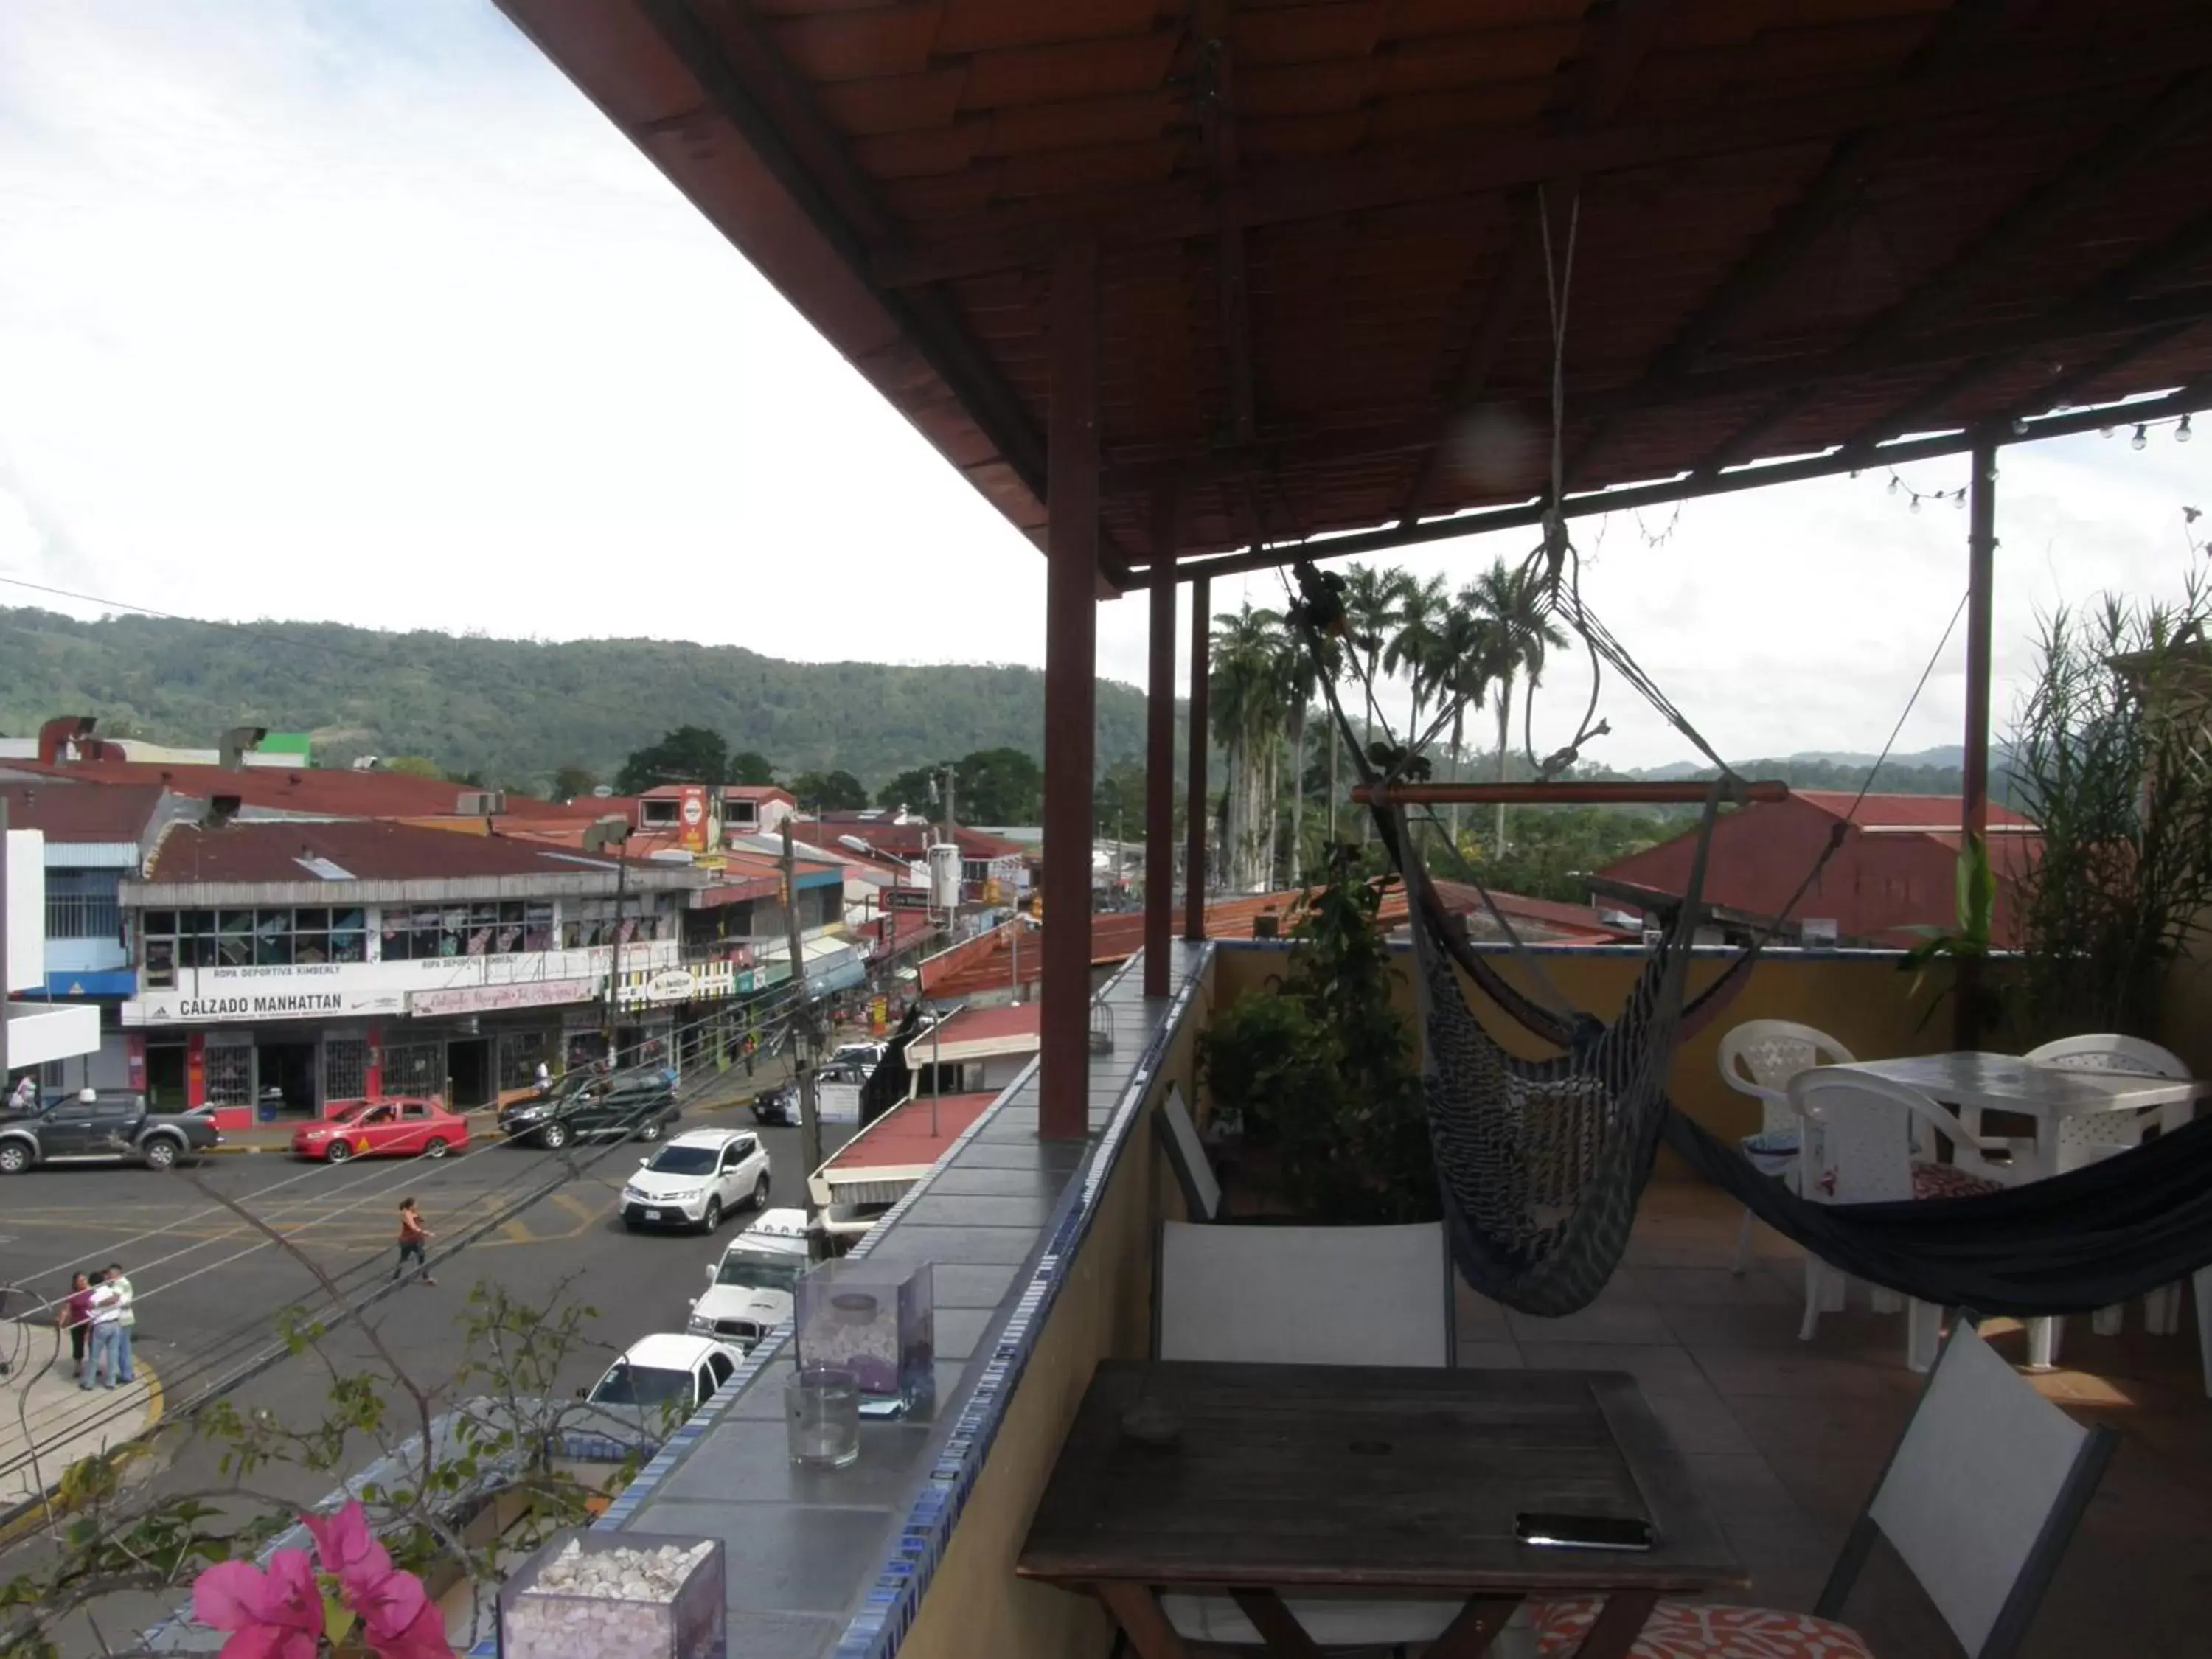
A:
(1322, 1065)
(2110, 758)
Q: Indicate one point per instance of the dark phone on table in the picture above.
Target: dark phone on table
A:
(1582, 1532)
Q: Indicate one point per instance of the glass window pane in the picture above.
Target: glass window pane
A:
(310, 950)
(511, 910)
(159, 924)
(351, 945)
(346, 919)
(310, 921)
(196, 921)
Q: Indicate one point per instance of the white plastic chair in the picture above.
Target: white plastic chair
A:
(1859, 1148)
(2101, 1135)
(1758, 1058)
(1979, 1500)
(1307, 1296)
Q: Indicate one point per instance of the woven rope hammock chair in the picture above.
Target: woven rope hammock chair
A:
(1541, 1163)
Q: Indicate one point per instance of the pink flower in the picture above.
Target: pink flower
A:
(277, 1614)
(394, 1611)
(422, 1637)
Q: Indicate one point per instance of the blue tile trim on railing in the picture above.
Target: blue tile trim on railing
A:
(1546, 950)
(773, 1344)
(887, 1611)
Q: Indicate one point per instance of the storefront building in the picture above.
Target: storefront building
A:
(289, 968)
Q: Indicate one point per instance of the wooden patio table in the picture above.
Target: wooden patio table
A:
(1259, 1481)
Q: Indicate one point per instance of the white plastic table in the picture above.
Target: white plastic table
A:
(2063, 1103)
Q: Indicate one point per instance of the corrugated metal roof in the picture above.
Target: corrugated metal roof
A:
(364, 849)
(81, 811)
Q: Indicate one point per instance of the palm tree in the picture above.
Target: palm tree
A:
(1371, 601)
(1517, 630)
(1301, 681)
(1422, 609)
(1462, 673)
(1246, 701)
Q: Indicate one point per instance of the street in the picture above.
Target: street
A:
(210, 1288)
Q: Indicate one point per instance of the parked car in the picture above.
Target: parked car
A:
(666, 1372)
(750, 1290)
(777, 1105)
(383, 1128)
(696, 1179)
(642, 1102)
(106, 1126)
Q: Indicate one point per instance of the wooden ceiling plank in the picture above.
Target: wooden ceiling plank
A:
(2185, 101)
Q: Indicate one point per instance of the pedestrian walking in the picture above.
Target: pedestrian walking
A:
(545, 1079)
(126, 1322)
(74, 1315)
(24, 1097)
(101, 1359)
(413, 1236)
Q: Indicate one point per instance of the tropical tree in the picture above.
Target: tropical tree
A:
(1301, 681)
(1413, 651)
(689, 754)
(1372, 598)
(1246, 700)
(750, 767)
(1517, 632)
(1462, 672)
(830, 792)
(571, 780)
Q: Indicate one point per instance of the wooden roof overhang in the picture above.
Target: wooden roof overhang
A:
(1803, 229)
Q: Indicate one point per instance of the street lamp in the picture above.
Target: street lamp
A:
(598, 835)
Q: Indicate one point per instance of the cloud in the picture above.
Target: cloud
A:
(365, 313)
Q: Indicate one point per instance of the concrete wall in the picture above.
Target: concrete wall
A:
(1861, 999)
(976, 1608)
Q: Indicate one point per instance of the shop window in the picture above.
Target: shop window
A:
(229, 1071)
(537, 926)
(161, 959)
(660, 814)
(272, 939)
(81, 904)
(234, 939)
(414, 1068)
(311, 938)
(345, 1068)
(519, 1054)
(348, 936)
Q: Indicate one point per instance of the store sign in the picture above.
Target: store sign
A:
(491, 998)
(170, 1008)
(906, 898)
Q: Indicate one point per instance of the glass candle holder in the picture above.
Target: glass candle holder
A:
(821, 1417)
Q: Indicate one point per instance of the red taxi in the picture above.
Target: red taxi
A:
(390, 1129)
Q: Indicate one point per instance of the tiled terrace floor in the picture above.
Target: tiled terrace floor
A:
(1787, 1436)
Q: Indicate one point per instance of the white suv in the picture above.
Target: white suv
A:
(670, 1373)
(696, 1179)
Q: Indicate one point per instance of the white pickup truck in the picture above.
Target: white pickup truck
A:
(750, 1290)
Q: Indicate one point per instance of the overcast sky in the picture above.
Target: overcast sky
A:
(302, 319)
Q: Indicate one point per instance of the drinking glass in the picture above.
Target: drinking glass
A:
(821, 1417)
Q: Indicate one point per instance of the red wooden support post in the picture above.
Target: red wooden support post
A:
(1195, 805)
(1071, 630)
(1981, 576)
(1160, 758)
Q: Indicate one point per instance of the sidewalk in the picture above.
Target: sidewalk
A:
(47, 1422)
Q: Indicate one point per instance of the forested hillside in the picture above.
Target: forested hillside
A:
(515, 710)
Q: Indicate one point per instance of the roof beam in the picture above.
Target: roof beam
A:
(1217, 114)
(1963, 30)
(2185, 102)
(2151, 266)
(2192, 398)
(2182, 309)
(1368, 182)
(1624, 39)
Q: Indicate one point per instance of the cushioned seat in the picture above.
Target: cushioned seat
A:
(1948, 1180)
(1693, 1630)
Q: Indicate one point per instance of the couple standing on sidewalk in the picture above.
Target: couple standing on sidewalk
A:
(101, 1320)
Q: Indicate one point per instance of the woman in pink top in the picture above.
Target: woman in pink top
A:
(75, 1316)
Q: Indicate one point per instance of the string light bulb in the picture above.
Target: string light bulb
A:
(1896, 484)
(2104, 432)
(2139, 440)
(2020, 426)
(2181, 432)
(1916, 503)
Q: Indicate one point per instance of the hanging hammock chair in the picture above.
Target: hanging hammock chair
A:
(1540, 1164)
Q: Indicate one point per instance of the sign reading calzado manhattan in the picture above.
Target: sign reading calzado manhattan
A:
(304, 1002)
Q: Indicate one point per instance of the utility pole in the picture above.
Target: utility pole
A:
(951, 817)
(802, 1047)
(611, 831)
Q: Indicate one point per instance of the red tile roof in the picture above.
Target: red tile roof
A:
(1937, 812)
(339, 792)
(906, 1136)
(1007, 1024)
(985, 963)
(81, 811)
(907, 840)
(365, 849)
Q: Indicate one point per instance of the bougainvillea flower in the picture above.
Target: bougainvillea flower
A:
(276, 1614)
(422, 1637)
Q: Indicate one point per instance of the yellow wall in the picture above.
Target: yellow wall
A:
(975, 1608)
(1866, 1003)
